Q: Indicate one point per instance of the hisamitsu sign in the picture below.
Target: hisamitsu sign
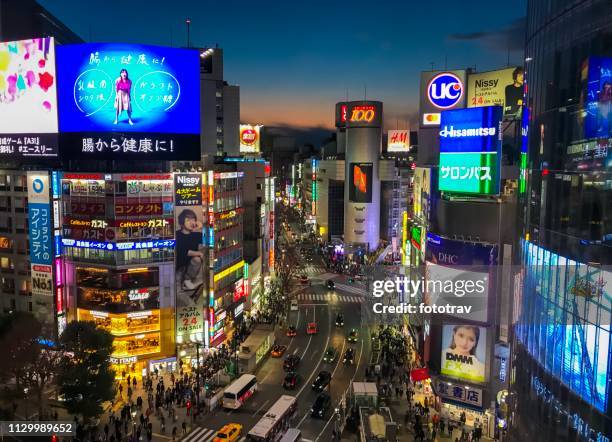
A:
(470, 150)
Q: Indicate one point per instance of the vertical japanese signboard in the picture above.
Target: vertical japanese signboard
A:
(40, 232)
(189, 257)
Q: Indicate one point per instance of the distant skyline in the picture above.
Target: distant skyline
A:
(293, 64)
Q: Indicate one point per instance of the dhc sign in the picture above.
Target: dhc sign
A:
(445, 90)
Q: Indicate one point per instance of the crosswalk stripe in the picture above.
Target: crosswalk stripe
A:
(210, 437)
(197, 435)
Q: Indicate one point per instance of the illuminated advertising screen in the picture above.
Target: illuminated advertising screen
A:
(464, 266)
(464, 352)
(28, 98)
(363, 114)
(598, 105)
(440, 90)
(503, 88)
(565, 321)
(360, 179)
(470, 150)
(40, 233)
(191, 296)
(129, 101)
(398, 141)
(250, 138)
(341, 114)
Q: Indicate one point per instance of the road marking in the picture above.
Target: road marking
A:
(354, 374)
(318, 364)
(259, 409)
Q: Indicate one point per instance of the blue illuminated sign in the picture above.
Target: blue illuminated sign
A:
(445, 90)
(129, 100)
(597, 122)
(131, 245)
(565, 321)
(40, 233)
(474, 130)
(525, 130)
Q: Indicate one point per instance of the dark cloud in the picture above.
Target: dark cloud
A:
(510, 37)
(302, 135)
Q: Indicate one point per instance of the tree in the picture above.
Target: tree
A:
(37, 375)
(286, 269)
(85, 377)
(19, 333)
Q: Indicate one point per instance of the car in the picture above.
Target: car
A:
(321, 381)
(228, 433)
(339, 320)
(349, 356)
(278, 350)
(291, 380)
(353, 336)
(330, 355)
(330, 284)
(291, 362)
(312, 328)
(321, 406)
(291, 331)
(294, 305)
(304, 279)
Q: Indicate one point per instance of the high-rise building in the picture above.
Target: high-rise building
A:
(219, 106)
(563, 346)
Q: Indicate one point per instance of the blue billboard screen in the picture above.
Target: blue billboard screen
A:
(565, 321)
(474, 130)
(124, 100)
(598, 123)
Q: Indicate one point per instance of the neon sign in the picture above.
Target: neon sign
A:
(363, 113)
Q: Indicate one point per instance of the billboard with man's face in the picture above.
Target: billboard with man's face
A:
(28, 98)
(503, 87)
(129, 101)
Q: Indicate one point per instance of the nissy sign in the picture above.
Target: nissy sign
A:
(445, 90)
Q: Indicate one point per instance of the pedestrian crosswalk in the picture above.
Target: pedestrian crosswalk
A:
(312, 270)
(200, 434)
(351, 288)
(327, 297)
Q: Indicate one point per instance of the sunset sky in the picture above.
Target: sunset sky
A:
(293, 61)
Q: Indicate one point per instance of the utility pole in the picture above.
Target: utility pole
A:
(188, 23)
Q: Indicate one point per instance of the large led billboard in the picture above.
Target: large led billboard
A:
(565, 321)
(250, 138)
(464, 352)
(598, 105)
(467, 266)
(360, 182)
(28, 98)
(129, 101)
(470, 150)
(503, 87)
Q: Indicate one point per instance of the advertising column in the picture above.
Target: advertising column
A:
(189, 258)
(362, 188)
(40, 235)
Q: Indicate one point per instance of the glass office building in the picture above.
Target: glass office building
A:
(563, 357)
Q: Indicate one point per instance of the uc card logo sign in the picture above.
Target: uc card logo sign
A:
(445, 90)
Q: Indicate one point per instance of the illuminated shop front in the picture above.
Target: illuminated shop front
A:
(127, 221)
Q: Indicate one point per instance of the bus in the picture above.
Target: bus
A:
(292, 435)
(275, 422)
(239, 391)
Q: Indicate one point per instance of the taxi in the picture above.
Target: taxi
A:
(228, 433)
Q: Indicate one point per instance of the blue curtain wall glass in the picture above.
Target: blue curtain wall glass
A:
(565, 321)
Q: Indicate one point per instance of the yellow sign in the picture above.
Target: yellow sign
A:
(229, 270)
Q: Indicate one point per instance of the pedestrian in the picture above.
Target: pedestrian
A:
(134, 382)
(184, 425)
(174, 433)
(120, 390)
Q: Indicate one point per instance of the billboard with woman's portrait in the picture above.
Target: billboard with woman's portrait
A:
(129, 101)
(464, 352)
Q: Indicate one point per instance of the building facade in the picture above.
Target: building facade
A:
(563, 381)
